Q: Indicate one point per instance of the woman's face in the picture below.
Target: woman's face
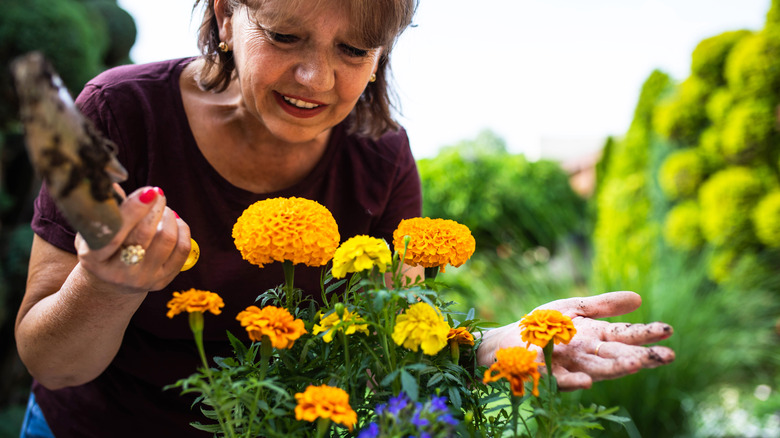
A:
(302, 76)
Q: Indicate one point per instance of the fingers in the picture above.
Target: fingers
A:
(148, 222)
(598, 306)
(637, 334)
(648, 357)
(571, 381)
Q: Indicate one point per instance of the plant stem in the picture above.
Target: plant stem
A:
(551, 387)
(196, 325)
(515, 412)
(289, 275)
(265, 355)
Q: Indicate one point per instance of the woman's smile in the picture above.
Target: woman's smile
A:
(298, 106)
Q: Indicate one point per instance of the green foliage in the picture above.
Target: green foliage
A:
(724, 199)
(705, 318)
(749, 131)
(505, 200)
(753, 68)
(682, 117)
(120, 27)
(766, 218)
(682, 173)
(80, 40)
(719, 104)
(681, 229)
(709, 56)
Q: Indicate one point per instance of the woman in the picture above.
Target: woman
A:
(290, 98)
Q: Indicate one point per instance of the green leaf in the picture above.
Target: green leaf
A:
(409, 385)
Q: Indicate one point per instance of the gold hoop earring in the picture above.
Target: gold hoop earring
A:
(223, 47)
(372, 78)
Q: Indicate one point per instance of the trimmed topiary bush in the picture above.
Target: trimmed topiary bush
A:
(749, 131)
(682, 173)
(725, 200)
(766, 219)
(682, 228)
(709, 56)
(753, 68)
(683, 117)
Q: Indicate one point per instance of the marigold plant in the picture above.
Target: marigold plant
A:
(434, 242)
(421, 326)
(361, 253)
(275, 322)
(461, 336)
(333, 323)
(195, 300)
(544, 325)
(325, 402)
(518, 365)
(286, 229)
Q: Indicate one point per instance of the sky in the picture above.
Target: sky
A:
(553, 78)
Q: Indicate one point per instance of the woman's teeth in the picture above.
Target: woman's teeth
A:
(299, 103)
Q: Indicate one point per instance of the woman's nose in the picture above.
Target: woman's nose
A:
(316, 72)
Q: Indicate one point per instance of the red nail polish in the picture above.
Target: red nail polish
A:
(176, 214)
(160, 191)
(147, 196)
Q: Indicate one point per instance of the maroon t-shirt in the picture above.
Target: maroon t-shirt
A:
(368, 185)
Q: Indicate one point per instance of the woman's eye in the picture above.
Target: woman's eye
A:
(354, 51)
(282, 37)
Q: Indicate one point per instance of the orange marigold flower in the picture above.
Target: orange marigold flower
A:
(545, 324)
(434, 242)
(275, 322)
(278, 229)
(517, 365)
(325, 402)
(195, 300)
(461, 336)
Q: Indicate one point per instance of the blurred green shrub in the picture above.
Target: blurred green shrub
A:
(508, 202)
(709, 57)
(682, 117)
(725, 200)
(766, 218)
(682, 228)
(749, 131)
(753, 67)
(682, 173)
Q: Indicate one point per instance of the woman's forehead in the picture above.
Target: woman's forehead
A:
(360, 25)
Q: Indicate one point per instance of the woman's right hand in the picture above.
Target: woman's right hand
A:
(76, 308)
(148, 222)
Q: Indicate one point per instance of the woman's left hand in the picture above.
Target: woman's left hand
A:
(600, 350)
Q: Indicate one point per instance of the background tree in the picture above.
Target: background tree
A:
(80, 38)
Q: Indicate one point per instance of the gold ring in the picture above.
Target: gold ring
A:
(132, 254)
(597, 348)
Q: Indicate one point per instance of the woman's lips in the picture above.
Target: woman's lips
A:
(298, 107)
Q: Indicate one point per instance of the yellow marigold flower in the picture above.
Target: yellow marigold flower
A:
(543, 325)
(328, 323)
(517, 365)
(435, 242)
(279, 229)
(275, 322)
(361, 253)
(195, 300)
(325, 402)
(461, 336)
(421, 325)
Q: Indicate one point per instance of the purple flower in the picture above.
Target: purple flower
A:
(397, 404)
(372, 431)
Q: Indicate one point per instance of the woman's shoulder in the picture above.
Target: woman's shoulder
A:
(135, 73)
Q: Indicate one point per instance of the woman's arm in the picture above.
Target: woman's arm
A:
(76, 307)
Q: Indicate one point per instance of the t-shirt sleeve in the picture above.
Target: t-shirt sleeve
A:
(48, 222)
(405, 197)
